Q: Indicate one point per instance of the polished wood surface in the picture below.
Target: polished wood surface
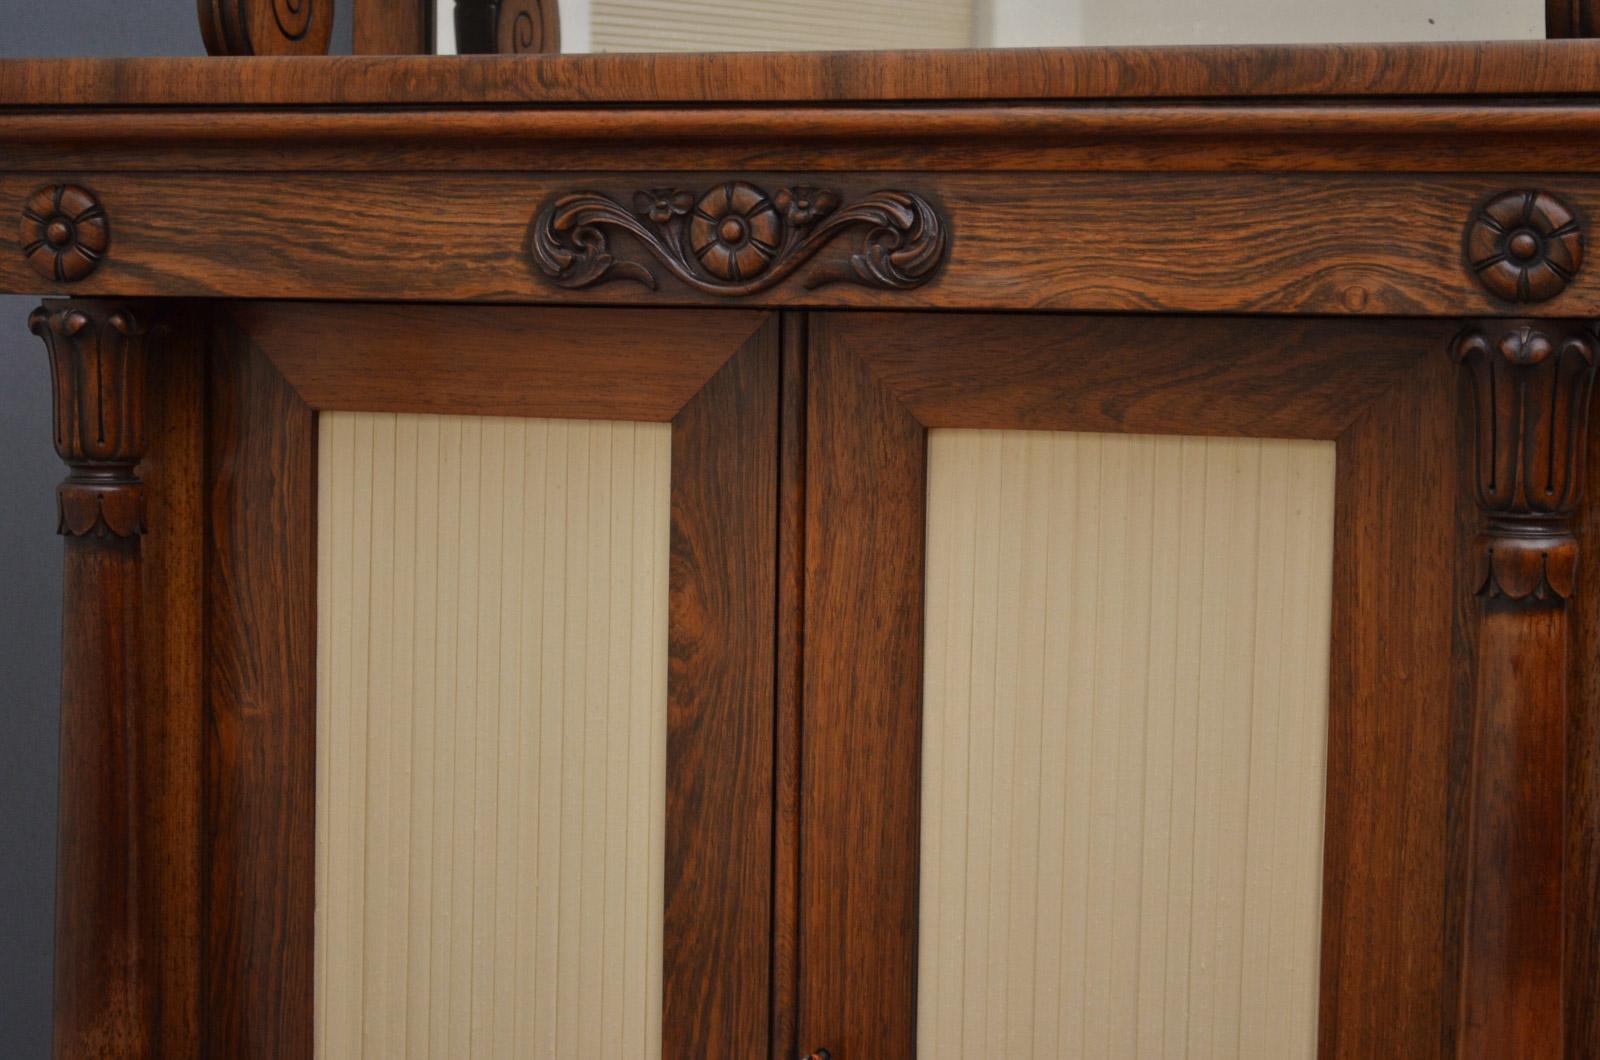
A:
(1518, 68)
(1360, 202)
(1528, 387)
(1389, 926)
(259, 798)
(790, 682)
(108, 901)
(1396, 690)
(720, 709)
(172, 557)
(1140, 242)
(392, 27)
(495, 361)
(1403, 135)
(866, 476)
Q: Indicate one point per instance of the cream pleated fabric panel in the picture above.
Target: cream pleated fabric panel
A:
(1123, 746)
(778, 25)
(491, 737)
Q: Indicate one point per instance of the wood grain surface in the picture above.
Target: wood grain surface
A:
(790, 682)
(720, 710)
(1397, 135)
(1400, 586)
(866, 482)
(1447, 69)
(170, 732)
(260, 729)
(1132, 242)
(392, 27)
(495, 361)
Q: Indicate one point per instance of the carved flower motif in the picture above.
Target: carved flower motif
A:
(662, 204)
(803, 205)
(1525, 246)
(64, 232)
(735, 231)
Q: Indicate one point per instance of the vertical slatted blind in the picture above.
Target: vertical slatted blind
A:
(1124, 745)
(491, 737)
(778, 25)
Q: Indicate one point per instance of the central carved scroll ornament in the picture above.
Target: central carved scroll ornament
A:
(736, 239)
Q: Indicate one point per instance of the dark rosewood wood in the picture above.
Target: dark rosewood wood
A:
(1525, 246)
(1582, 935)
(266, 27)
(790, 684)
(64, 232)
(1571, 18)
(720, 710)
(1538, 135)
(1400, 586)
(171, 555)
(261, 710)
(106, 968)
(1214, 72)
(392, 27)
(495, 361)
(1094, 373)
(507, 27)
(736, 239)
(865, 499)
(715, 377)
(1138, 242)
(1530, 386)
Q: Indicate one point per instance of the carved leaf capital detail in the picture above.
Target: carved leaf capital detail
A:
(97, 371)
(1530, 385)
(736, 239)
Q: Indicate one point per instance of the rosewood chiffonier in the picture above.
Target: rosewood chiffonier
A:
(994, 553)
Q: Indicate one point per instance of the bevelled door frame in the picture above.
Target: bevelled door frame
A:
(1429, 792)
(244, 985)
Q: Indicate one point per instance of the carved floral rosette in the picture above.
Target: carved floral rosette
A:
(97, 373)
(1530, 386)
(736, 239)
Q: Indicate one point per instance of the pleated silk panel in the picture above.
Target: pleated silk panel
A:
(1124, 745)
(491, 737)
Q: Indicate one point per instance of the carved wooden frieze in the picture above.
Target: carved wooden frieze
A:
(64, 232)
(97, 374)
(1525, 246)
(736, 239)
(266, 27)
(507, 27)
(1530, 385)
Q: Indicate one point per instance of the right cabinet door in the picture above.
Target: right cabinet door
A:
(1134, 713)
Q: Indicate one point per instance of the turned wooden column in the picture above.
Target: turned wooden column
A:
(103, 997)
(1530, 384)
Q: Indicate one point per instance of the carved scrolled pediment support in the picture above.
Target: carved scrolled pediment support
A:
(266, 27)
(508, 27)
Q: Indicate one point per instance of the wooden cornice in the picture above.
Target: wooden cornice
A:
(1521, 68)
(1455, 135)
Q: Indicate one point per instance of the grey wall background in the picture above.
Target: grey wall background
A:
(30, 554)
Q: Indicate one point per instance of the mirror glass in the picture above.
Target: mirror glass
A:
(833, 25)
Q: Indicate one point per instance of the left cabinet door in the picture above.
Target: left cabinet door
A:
(489, 682)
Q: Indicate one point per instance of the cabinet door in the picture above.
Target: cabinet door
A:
(1136, 689)
(489, 634)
